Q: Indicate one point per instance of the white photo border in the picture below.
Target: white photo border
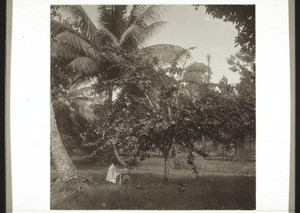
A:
(30, 101)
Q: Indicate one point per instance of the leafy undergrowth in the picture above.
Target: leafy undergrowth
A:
(146, 190)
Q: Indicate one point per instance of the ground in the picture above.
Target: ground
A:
(221, 185)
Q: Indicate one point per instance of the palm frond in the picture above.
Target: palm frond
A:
(136, 12)
(87, 92)
(78, 13)
(82, 89)
(165, 53)
(133, 16)
(84, 66)
(83, 109)
(103, 16)
(81, 81)
(149, 31)
(148, 14)
(58, 27)
(182, 56)
(134, 32)
(112, 18)
(86, 71)
(103, 34)
(78, 43)
(67, 52)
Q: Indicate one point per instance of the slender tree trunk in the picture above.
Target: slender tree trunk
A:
(203, 141)
(64, 166)
(243, 143)
(235, 148)
(117, 156)
(110, 94)
(115, 151)
(250, 142)
(167, 169)
(167, 154)
(169, 111)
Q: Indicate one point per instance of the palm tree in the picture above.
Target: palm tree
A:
(77, 102)
(83, 47)
(66, 169)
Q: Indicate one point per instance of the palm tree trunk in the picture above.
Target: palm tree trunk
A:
(64, 166)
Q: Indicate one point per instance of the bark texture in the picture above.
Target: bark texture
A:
(167, 154)
(64, 166)
(167, 170)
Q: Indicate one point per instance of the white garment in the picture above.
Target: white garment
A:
(112, 174)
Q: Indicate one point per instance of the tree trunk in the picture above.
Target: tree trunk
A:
(167, 165)
(117, 156)
(110, 95)
(169, 111)
(250, 141)
(243, 142)
(235, 148)
(167, 169)
(64, 166)
(167, 153)
(115, 151)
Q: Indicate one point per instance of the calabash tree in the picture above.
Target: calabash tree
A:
(86, 48)
(151, 112)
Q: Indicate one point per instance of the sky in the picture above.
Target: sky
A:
(187, 28)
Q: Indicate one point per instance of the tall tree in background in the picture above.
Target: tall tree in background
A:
(195, 78)
(243, 62)
(245, 66)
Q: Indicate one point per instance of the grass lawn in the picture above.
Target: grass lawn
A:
(221, 185)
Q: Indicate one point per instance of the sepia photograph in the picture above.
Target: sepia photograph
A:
(153, 107)
(150, 106)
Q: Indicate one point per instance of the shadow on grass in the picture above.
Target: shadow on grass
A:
(146, 191)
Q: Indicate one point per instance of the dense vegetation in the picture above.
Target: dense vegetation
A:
(112, 96)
